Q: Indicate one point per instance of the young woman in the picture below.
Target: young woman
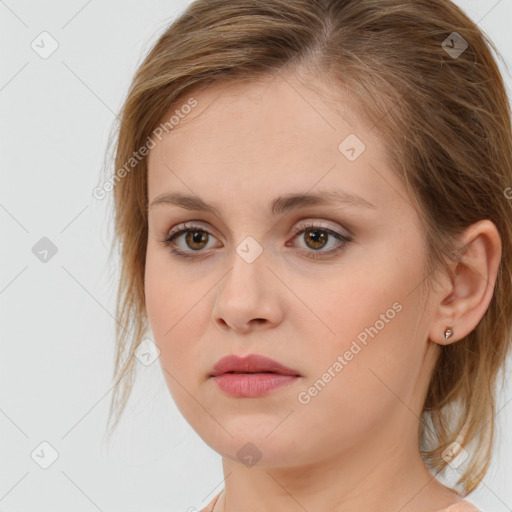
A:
(313, 204)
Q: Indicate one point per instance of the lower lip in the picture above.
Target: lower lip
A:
(251, 385)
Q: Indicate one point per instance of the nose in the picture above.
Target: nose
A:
(248, 297)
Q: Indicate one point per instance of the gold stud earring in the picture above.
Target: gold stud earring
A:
(448, 333)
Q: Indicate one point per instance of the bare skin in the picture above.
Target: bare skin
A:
(354, 445)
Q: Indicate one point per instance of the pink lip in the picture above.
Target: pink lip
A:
(253, 363)
(251, 376)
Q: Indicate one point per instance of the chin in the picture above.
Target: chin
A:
(260, 444)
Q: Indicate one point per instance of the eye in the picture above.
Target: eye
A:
(316, 238)
(196, 239)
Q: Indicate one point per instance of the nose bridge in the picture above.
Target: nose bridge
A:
(244, 293)
(245, 278)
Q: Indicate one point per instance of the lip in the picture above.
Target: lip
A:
(253, 363)
(251, 376)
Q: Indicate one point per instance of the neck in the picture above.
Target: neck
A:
(385, 473)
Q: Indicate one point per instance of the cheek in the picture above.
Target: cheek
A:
(166, 293)
(162, 304)
(157, 296)
(372, 326)
(361, 304)
(177, 314)
(353, 387)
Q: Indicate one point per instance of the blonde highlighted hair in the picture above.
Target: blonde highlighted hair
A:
(445, 120)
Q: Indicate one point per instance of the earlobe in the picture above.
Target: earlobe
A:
(448, 333)
(462, 303)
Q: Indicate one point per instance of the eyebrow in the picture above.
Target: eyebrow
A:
(277, 206)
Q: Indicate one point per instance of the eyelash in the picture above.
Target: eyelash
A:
(301, 228)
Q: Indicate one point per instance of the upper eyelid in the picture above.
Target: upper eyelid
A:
(187, 226)
(316, 222)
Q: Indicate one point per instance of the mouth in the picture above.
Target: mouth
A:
(251, 376)
(251, 364)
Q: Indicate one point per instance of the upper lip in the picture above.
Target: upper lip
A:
(253, 363)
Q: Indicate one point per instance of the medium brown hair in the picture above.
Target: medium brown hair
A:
(445, 120)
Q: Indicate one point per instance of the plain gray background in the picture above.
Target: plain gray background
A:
(57, 318)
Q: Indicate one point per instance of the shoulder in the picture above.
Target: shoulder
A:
(209, 507)
(461, 506)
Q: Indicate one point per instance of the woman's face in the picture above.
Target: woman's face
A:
(347, 316)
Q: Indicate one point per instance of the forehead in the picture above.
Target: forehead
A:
(274, 113)
(268, 136)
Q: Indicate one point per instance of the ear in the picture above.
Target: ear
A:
(461, 301)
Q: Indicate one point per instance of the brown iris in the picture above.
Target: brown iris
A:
(319, 237)
(196, 237)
